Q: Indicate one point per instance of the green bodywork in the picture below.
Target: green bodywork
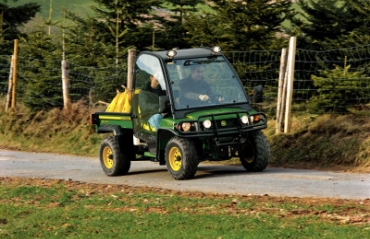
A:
(218, 142)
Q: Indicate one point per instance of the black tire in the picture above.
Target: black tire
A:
(115, 155)
(254, 154)
(181, 158)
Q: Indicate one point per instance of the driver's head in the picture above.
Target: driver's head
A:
(197, 72)
(154, 82)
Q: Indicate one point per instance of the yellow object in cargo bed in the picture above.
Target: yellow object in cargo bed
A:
(121, 102)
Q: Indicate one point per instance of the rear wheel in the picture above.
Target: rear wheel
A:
(181, 158)
(115, 155)
(255, 152)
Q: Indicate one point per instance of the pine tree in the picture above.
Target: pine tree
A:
(116, 24)
(127, 16)
(88, 53)
(84, 43)
(328, 24)
(241, 25)
(206, 30)
(337, 86)
(11, 18)
(103, 41)
(172, 32)
(360, 35)
(39, 78)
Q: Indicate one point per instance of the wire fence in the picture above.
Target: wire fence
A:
(253, 67)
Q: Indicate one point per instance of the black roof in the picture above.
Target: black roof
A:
(184, 53)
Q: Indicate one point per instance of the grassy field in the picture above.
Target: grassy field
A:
(80, 7)
(32, 208)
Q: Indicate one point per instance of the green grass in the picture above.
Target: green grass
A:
(60, 209)
(80, 7)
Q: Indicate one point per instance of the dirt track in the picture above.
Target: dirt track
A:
(209, 178)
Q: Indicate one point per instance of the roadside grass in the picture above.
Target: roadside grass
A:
(36, 208)
(325, 142)
(53, 131)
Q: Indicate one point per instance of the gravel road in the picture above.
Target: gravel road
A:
(210, 178)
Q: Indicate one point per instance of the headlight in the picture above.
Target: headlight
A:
(216, 49)
(186, 126)
(207, 124)
(244, 119)
(171, 54)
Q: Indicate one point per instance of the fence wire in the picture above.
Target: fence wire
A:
(253, 67)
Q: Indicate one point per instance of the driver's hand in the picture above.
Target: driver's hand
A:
(203, 97)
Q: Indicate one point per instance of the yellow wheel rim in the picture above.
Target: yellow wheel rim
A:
(175, 159)
(108, 157)
(247, 159)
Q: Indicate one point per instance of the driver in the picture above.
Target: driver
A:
(194, 88)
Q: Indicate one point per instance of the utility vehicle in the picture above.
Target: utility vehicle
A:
(212, 130)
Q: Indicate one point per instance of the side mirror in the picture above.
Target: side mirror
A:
(258, 94)
(164, 104)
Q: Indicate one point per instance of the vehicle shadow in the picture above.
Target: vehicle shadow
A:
(213, 170)
(147, 171)
(209, 171)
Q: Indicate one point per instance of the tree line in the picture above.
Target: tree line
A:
(103, 39)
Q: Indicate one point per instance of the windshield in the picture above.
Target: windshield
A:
(204, 81)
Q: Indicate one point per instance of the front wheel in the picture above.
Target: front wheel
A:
(114, 155)
(181, 158)
(255, 152)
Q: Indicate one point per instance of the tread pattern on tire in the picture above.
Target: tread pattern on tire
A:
(261, 153)
(121, 152)
(189, 158)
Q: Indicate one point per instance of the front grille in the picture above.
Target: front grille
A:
(228, 122)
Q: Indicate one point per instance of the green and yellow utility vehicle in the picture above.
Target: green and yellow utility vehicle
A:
(223, 127)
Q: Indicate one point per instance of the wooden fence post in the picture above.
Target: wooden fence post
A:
(281, 92)
(10, 85)
(65, 82)
(289, 95)
(14, 81)
(130, 67)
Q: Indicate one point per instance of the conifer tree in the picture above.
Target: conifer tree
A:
(85, 45)
(337, 86)
(127, 16)
(360, 35)
(39, 78)
(241, 25)
(329, 24)
(11, 18)
(173, 32)
(89, 53)
(103, 40)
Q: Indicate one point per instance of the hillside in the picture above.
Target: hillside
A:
(80, 7)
